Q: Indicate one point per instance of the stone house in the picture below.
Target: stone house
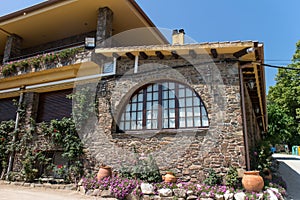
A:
(191, 106)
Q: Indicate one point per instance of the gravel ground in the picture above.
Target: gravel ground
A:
(11, 192)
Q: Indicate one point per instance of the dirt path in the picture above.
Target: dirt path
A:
(10, 192)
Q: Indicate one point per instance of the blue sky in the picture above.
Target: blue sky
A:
(273, 22)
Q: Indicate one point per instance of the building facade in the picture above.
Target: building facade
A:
(191, 106)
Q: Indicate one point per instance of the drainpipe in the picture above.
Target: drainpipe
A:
(12, 154)
(244, 118)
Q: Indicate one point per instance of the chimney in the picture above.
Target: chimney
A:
(178, 37)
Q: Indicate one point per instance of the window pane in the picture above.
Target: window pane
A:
(204, 121)
(197, 111)
(172, 113)
(133, 107)
(154, 114)
(196, 101)
(140, 97)
(140, 106)
(165, 104)
(155, 87)
(181, 93)
(149, 115)
(127, 125)
(171, 86)
(189, 102)
(189, 112)
(154, 124)
(148, 124)
(165, 94)
(127, 116)
(121, 126)
(149, 96)
(172, 103)
(139, 125)
(122, 117)
(134, 99)
(133, 116)
(197, 121)
(149, 88)
(166, 113)
(182, 123)
(189, 122)
(139, 115)
(171, 94)
(128, 108)
(133, 126)
(182, 112)
(149, 106)
(165, 123)
(172, 123)
(155, 96)
(203, 110)
(181, 103)
(189, 92)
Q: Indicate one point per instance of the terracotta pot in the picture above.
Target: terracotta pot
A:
(104, 172)
(252, 181)
(169, 178)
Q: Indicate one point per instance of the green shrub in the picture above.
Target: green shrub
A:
(213, 178)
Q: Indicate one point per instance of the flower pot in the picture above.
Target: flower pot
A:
(252, 181)
(104, 172)
(169, 178)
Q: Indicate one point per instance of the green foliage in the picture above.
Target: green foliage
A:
(9, 69)
(6, 134)
(284, 103)
(84, 105)
(261, 156)
(213, 178)
(144, 168)
(232, 179)
(64, 134)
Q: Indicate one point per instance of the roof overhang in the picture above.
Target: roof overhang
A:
(57, 19)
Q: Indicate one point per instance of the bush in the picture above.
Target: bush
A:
(213, 178)
(232, 179)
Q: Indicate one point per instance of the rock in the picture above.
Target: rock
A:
(219, 197)
(239, 196)
(80, 182)
(106, 193)
(228, 195)
(166, 198)
(206, 199)
(189, 192)
(96, 192)
(191, 197)
(156, 197)
(180, 193)
(26, 185)
(165, 192)
(71, 187)
(272, 195)
(279, 195)
(147, 188)
(146, 197)
(89, 192)
(82, 190)
(132, 196)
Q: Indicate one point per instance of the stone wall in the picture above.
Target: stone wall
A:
(190, 153)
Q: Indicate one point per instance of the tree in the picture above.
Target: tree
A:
(284, 103)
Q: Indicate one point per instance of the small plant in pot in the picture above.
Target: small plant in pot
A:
(169, 177)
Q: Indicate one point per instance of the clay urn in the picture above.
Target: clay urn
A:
(169, 177)
(104, 171)
(252, 181)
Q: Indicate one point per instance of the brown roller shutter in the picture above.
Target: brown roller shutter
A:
(54, 105)
(7, 109)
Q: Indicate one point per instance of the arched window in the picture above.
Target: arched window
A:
(165, 105)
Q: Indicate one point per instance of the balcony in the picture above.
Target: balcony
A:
(46, 61)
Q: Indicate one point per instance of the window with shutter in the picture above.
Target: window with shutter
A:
(54, 105)
(8, 110)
